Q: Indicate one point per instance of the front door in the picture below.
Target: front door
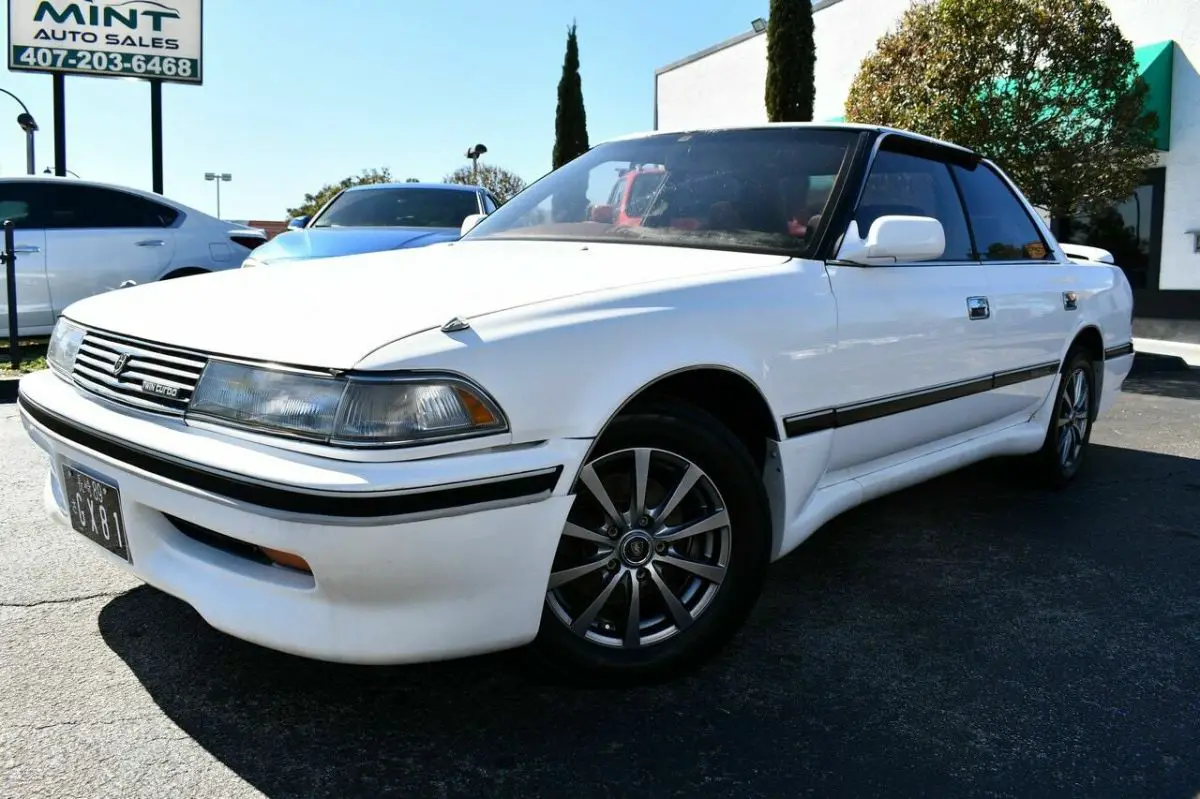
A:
(35, 314)
(913, 354)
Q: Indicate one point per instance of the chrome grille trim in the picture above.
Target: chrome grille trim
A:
(170, 368)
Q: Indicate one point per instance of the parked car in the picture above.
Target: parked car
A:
(375, 217)
(587, 437)
(75, 238)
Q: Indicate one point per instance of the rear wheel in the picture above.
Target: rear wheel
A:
(664, 552)
(1070, 430)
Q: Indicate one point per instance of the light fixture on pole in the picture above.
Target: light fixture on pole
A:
(26, 122)
(218, 177)
(759, 25)
(474, 154)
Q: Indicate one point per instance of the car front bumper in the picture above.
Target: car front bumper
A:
(410, 561)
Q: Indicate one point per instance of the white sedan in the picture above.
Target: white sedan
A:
(588, 436)
(76, 238)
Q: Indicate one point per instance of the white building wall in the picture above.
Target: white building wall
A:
(726, 87)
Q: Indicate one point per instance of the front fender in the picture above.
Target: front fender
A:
(563, 369)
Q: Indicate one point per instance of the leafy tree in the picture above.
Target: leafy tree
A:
(412, 180)
(570, 119)
(314, 202)
(499, 181)
(791, 59)
(1046, 88)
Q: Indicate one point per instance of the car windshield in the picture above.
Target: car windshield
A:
(758, 189)
(399, 207)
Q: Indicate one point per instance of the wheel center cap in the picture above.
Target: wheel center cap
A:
(636, 548)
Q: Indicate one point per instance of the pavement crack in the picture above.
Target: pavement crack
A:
(63, 601)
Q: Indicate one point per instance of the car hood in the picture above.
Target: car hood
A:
(332, 242)
(332, 312)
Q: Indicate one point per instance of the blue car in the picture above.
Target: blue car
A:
(376, 217)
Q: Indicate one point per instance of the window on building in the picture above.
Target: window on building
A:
(908, 185)
(1004, 230)
(1131, 230)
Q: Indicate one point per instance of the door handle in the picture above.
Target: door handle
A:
(1070, 301)
(978, 308)
(151, 243)
(27, 248)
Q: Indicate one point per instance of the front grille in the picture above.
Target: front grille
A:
(146, 376)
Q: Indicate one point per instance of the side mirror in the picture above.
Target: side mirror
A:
(298, 223)
(469, 224)
(602, 213)
(894, 239)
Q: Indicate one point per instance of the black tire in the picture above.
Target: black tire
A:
(1051, 469)
(185, 273)
(680, 431)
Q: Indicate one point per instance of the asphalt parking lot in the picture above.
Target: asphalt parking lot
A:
(970, 637)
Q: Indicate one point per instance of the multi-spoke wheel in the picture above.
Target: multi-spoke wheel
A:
(663, 553)
(1070, 428)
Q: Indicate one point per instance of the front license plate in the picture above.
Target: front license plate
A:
(95, 508)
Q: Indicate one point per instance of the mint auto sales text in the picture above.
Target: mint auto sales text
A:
(93, 16)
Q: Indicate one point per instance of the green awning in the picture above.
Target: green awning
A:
(1156, 65)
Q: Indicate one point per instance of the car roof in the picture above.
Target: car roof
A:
(147, 195)
(813, 125)
(447, 186)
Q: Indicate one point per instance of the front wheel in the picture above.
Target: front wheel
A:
(664, 552)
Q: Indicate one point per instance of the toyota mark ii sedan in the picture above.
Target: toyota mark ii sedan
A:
(587, 438)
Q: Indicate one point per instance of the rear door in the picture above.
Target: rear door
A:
(19, 201)
(98, 239)
(1029, 292)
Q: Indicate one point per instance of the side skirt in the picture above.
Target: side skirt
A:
(832, 500)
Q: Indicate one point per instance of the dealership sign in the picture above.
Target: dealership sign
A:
(108, 38)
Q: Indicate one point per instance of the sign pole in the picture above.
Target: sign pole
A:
(60, 125)
(156, 135)
(10, 277)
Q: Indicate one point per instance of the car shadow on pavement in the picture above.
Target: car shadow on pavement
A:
(968, 636)
(1179, 385)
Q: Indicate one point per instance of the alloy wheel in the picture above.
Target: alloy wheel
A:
(1073, 418)
(645, 549)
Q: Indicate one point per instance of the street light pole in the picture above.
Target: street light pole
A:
(30, 126)
(474, 154)
(218, 177)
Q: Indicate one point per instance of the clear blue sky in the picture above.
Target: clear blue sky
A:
(298, 94)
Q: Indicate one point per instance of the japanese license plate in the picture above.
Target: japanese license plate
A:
(95, 509)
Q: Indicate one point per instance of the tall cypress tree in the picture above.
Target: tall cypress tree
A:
(791, 59)
(570, 120)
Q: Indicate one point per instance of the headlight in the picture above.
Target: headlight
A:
(354, 411)
(64, 346)
(251, 261)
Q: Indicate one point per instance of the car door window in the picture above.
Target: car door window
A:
(489, 205)
(907, 185)
(21, 202)
(1003, 228)
(75, 207)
